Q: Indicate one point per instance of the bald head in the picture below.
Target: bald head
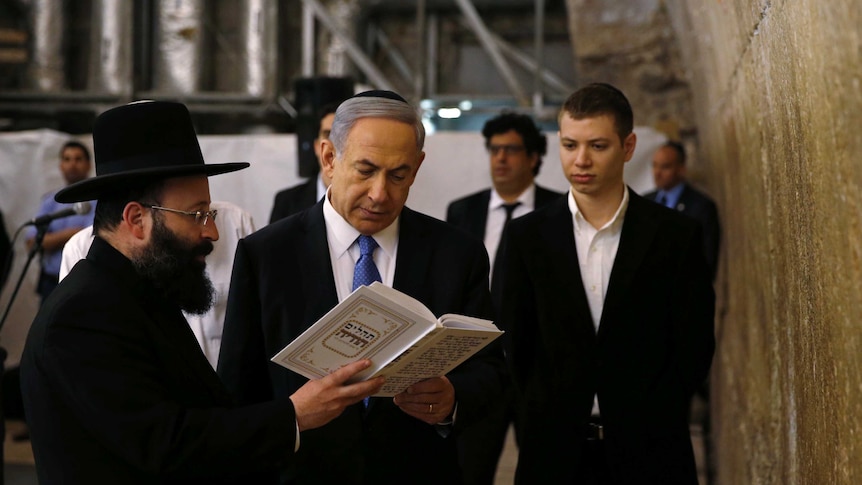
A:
(668, 167)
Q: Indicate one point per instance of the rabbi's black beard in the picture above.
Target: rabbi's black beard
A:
(171, 265)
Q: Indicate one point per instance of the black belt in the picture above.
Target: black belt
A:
(593, 430)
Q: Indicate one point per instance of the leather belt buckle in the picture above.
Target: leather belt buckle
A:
(595, 432)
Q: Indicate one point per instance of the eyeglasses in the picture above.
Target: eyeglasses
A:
(201, 217)
(506, 149)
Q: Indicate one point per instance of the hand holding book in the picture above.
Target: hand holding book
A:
(400, 335)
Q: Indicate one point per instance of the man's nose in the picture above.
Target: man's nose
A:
(582, 158)
(210, 230)
(378, 191)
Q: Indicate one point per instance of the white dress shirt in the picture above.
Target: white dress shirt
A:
(321, 189)
(497, 218)
(597, 249)
(344, 250)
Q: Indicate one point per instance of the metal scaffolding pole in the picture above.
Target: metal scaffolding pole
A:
(307, 41)
(484, 35)
(538, 101)
(375, 76)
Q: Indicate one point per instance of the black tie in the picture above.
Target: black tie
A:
(662, 199)
(510, 208)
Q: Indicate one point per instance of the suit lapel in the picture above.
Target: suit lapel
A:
(559, 234)
(316, 266)
(310, 195)
(544, 197)
(478, 215)
(684, 200)
(415, 250)
(635, 241)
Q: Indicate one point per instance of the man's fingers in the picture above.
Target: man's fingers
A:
(344, 374)
(361, 390)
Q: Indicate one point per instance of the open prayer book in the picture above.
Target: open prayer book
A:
(403, 339)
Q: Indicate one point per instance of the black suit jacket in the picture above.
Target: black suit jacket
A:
(470, 213)
(295, 199)
(5, 252)
(116, 390)
(283, 282)
(653, 348)
(700, 207)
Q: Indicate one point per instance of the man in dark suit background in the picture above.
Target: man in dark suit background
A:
(668, 168)
(608, 306)
(5, 252)
(516, 147)
(669, 173)
(290, 273)
(290, 201)
(115, 387)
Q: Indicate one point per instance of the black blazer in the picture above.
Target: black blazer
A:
(283, 282)
(116, 390)
(700, 207)
(653, 348)
(471, 212)
(5, 252)
(290, 201)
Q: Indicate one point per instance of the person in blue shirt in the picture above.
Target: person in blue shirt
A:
(675, 192)
(75, 166)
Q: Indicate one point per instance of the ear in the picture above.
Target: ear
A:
(629, 146)
(317, 146)
(327, 157)
(134, 220)
(419, 160)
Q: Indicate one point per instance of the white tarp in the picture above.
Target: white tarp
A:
(456, 164)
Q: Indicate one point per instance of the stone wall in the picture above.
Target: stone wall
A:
(632, 45)
(777, 100)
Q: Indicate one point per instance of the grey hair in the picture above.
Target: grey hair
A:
(354, 109)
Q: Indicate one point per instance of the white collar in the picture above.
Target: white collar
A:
(344, 235)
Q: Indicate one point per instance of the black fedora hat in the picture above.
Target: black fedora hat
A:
(142, 142)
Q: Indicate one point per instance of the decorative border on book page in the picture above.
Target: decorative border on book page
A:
(363, 329)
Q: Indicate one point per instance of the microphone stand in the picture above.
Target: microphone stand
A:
(41, 230)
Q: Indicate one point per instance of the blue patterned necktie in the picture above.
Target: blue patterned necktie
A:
(365, 272)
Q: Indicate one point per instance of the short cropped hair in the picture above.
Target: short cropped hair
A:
(356, 108)
(599, 99)
(534, 140)
(78, 145)
(110, 206)
(678, 148)
(326, 110)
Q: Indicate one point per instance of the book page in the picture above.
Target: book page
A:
(462, 321)
(403, 299)
(364, 325)
(435, 355)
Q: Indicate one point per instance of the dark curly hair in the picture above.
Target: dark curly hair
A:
(534, 140)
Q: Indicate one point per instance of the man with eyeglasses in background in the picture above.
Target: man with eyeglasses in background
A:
(516, 147)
